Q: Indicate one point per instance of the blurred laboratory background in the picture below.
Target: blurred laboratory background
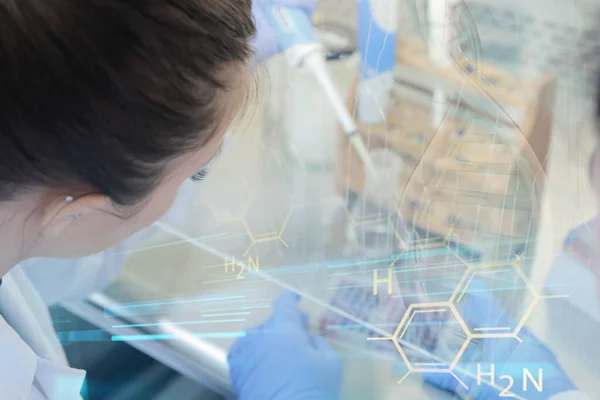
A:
(480, 128)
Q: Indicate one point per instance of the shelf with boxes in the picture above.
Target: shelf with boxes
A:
(475, 178)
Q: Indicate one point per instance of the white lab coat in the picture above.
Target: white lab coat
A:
(33, 365)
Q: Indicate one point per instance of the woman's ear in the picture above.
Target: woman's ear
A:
(63, 211)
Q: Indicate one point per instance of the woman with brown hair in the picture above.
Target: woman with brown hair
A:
(108, 106)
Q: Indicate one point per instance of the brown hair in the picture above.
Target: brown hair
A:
(102, 92)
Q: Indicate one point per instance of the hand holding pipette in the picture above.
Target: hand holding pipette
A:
(294, 30)
(265, 42)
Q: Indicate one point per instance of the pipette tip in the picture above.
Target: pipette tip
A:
(363, 152)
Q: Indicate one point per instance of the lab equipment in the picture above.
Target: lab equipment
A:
(440, 34)
(279, 360)
(436, 333)
(296, 37)
(475, 180)
(533, 370)
(377, 26)
(358, 300)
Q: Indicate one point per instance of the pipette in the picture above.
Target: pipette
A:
(296, 38)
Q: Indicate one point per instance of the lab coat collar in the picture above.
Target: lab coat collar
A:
(18, 363)
(32, 358)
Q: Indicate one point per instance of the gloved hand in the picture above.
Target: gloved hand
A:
(509, 357)
(279, 360)
(265, 42)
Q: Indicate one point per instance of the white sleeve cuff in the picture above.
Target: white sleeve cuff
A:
(571, 395)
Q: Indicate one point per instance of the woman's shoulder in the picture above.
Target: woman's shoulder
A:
(32, 359)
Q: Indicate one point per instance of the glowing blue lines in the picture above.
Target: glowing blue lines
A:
(394, 325)
(445, 279)
(266, 305)
(213, 321)
(226, 314)
(161, 303)
(95, 335)
(211, 335)
(122, 310)
(356, 263)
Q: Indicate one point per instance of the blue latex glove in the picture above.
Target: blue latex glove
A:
(265, 42)
(279, 360)
(508, 355)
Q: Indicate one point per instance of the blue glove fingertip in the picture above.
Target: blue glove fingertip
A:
(310, 6)
(286, 301)
(286, 315)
